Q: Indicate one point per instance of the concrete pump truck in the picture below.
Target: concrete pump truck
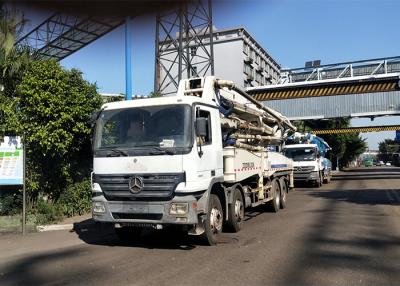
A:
(196, 160)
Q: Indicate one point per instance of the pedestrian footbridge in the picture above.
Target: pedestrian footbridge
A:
(366, 88)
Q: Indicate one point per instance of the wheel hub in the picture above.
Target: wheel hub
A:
(238, 210)
(216, 220)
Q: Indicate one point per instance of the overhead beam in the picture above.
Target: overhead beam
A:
(61, 35)
(361, 85)
(363, 129)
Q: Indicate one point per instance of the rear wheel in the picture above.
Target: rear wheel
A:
(213, 221)
(274, 204)
(236, 212)
(284, 191)
(128, 234)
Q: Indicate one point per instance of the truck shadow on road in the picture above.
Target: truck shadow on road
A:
(365, 196)
(95, 233)
(103, 234)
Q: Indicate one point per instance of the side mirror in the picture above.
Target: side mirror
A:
(93, 118)
(201, 126)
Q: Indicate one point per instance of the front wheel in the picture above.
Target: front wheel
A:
(213, 221)
(318, 182)
(236, 212)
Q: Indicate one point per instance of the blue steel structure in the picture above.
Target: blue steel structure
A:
(128, 58)
(61, 35)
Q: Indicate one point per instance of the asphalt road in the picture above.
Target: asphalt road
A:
(345, 233)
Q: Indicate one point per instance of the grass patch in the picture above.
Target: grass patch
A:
(14, 224)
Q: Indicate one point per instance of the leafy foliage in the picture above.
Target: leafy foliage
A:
(45, 212)
(10, 203)
(76, 200)
(54, 108)
(51, 106)
(388, 146)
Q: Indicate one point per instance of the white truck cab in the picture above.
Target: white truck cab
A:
(309, 166)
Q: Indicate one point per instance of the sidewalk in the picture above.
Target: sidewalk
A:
(67, 223)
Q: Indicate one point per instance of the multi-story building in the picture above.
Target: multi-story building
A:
(237, 57)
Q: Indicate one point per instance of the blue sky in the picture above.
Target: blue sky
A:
(291, 31)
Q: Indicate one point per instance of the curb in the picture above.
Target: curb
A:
(43, 228)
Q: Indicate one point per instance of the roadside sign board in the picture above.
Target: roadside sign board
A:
(11, 161)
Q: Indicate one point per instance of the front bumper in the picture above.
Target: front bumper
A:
(306, 176)
(148, 212)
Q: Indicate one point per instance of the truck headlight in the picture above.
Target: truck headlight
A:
(96, 188)
(179, 208)
(99, 207)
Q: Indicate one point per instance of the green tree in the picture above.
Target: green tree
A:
(388, 146)
(354, 147)
(54, 108)
(13, 61)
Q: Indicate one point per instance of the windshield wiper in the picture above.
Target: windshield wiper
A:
(161, 151)
(116, 153)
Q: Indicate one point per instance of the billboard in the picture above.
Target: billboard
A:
(11, 161)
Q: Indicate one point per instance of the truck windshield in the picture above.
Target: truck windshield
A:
(300, 154)
(166, 126)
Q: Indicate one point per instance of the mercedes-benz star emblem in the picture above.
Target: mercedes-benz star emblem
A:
(136, 184)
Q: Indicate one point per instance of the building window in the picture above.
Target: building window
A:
(259, 78)
(247, 83)
(193, 51)
(251, 53)
(245, 48)
(248, 69)
(258, 60)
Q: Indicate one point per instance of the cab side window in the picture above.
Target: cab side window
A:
(205, 114)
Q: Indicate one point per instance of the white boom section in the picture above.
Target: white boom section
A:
(248, 128)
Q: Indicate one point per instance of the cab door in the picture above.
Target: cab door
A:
(209, 148)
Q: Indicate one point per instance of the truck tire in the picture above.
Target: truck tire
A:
(327, 180)
(236, 212)
(128, 234)
(213, 221)
(274, 204)
(318, 182)
(284, 192)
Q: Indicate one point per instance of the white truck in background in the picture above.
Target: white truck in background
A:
(194, 160)
(309, 162)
